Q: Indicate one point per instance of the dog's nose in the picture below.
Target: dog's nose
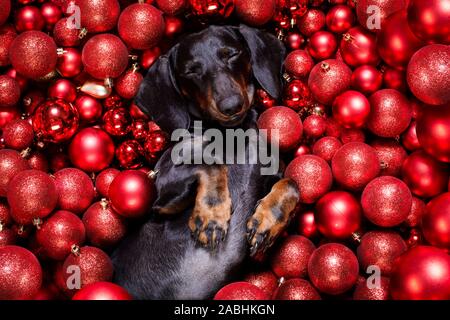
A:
(231, 105)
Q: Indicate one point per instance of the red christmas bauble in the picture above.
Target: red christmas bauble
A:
(307, 168)
(11, 163)
(69, 63)
(6, 9)
(391, 156)
(9, 91)
(395, 79)
(63, 89)
(33, 54)
(32, 99)
(171, 7)
(418, 209)
(340, 18)
(89, 109)
(296, 95)
(326, 148)
(98, 15)
(29, 18)
(7, 237)
(59, 160)
(18, 134)
(422, 273)
(31, 194)
(338, 215)
(290, 260)
(59, 233)
(351, 109)
(436, 221)
(20, 273)
(6, 39)
(333, 268)
(352, 135)
(296, 289)
(386, 201)
(131, 193)
(55, 121)
(21, 80)
(322, 45)
(314, 126)
(427, 74)
(307, 225)
(334, 129)
(127, 85)
(102, 291)
(358, 47)
(5, 213)
(313, 21)
(148, 57)
(302, 150)
(65, 35)
(117, 121)
(38, 161)
(145, 18)
(104, 179)
(105, 56)
(367, 79)
(51, 14)
(91, 150)
(373, 13)
(409, 138)
(328, 79)
(139, 129)
(298, 63)
(129, 154)
(430, 20)
(241, 291)
(212, 9)
(365, 292)
(264, 280)
(424, 175)
(255, 12)
(354, 165)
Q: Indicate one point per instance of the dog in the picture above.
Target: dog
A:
(207, 218)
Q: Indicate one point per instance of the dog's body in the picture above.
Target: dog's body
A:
(235, 207)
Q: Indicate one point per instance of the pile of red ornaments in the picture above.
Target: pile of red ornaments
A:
(366, 131)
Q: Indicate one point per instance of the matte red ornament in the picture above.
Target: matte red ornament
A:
(63, 89)
(241, 291)
(322, 45)
(127, 85)
(395, 79)
(89, 109)
(130, 154)
(104, 179)
(422, 273)
(29, 18)
(51, 14)
(255, 12)
(98, 15)
(9, 91)
(326, 148)
(373, 19)
(65, 35)
(364, 291)
(11, 163)
(367, 79)
(69, 63)
(148, 57)
(296, 95)
(351, 109)
(418, 209)
(91, 150)
(391, 156)
(264, 280)
(409, 138)
(20, 273)
(358, 47)
(313, 21)
(333, 268)
(18, 134)
(298, 63)
(296, 289)
(307, 168)
(173, 26)
(117, 121)
(436, 221)
(314, 126)
(6, 9)
(340, 18)
(307, 225)
(102, 291)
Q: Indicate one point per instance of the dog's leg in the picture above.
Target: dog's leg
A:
(272, 215)
(212, 211)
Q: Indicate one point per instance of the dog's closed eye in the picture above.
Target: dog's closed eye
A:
(229, 54)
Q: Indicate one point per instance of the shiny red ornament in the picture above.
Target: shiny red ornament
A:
(6, 9)
(89, 109)
(373, 13)
(307, 168)
(31, 194)
(430, 20)
(409, 138)
(131, 193)
(395, 79)
(65, 34)
(255, 12)
(418, 209)
(130, 154)
(314, 126)
(358, 47)
(6, 39)
(9, 91)
(326, 148)
(302, 150)
(367, 79)
(333, 268)
(127, 85)
(351, 109)
(298, 63)
(104, 56)
(139, 129)
(117, 121)
(11, 163)
(20, 273)
(33, 54)
(296, 289)
(155, 142)
(38, 161)
(18, 134)
(328, 79)
(386, 201)
(424, 175)
(296, 95)
(69, 64)
(51, 14)
(391, 156)
(113, 101)
(436, 222)
(55, 121)
(422, 273)
(211, 9)
(91, 150)
(340, 18)
(29, 18)
(148, 57)
(294, 40)
(364, 291)
(322, 45)
(98, 15)
(102, 291)
(264, 280)
(290, 260)
(145, 18)
(313, 21)
(173, 26)
(241, 291)
(63, 89)
(338, 215)
(104, 179)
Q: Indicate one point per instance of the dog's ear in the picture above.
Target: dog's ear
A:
(267, 54)
(159, 96)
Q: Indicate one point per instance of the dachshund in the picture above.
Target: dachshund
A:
(207, 218)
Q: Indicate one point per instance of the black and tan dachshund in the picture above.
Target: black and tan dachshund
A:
(208, 218)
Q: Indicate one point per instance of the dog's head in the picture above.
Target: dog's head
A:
(211, 75)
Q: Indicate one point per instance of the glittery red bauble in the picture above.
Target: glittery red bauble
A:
(18, 134)
(31, 194)
(117, 121)
(98, 15)
(436, 221)
(148, 57)
(171, 7)
(396, 43)
(7, 237)
(351, 109)
(340, 18)
(75, 188)
(338, 215)
(21, 80)
(6, 39)
(91, 150)
(333, 268)
(94, 264)
(129, 154)
(386, 201)
(69, 63)
(145, 18)
(64, 35)
(433, 131)
(290, 260)
(105, 56)
(102, 291)
(63, 89)
(307, 168)
(422, 273)
(354, 165)
(430, 20)
(369, 11)
(127, 85)
(395, 79)
(358, 47)
(264, 280)
(5, 213)
(365, 292)
(427, 74)
(51, 14)
(104, 179)
(20, 273)
(352, 135)
(55, 121)
(33, 54)
(418, 208)
(334, 129)
(409, 138)
(326, 148)
(314, 126)
(328, 79)
(298, 63)
(11, 163)
(89, 108)
(296, 95)
(38, 161)
(9, 91)
(424, 175)
(390, 115)
(59, 233)
(367, 79)
(296, 289)
(288, 124)
(322, 45)
(6, 9)
(29, 18)
(241, 291)
(391, 156)
(313, 21)
(255, 12)
(131, 193)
